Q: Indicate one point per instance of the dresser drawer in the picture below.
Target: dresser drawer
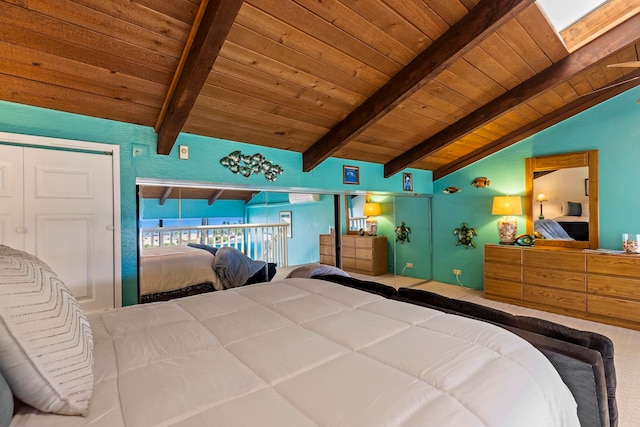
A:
(494, 270)
(364, 242)
(615, 265)
(555, 297)
(349, 240)
(568, 280)
(326, 239)
(617, 287)
(364, 253)
(554, 259)
(612, 307)
(504, 254)
(348, 263)
(503, 288)
(364, 264)
(349, 251)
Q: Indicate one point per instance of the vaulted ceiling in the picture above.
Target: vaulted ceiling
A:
(428, 84)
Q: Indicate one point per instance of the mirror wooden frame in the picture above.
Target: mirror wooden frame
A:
(560, 161)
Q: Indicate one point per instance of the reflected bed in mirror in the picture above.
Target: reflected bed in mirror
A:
(562, 199)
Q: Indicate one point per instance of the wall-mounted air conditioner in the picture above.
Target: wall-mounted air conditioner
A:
(297, 198)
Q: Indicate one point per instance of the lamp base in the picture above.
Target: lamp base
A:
(507, 230)
(371, 227)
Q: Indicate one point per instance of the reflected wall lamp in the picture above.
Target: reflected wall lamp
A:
(507, 227)
(371, 210)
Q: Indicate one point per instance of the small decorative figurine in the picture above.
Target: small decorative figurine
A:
(402, 233)
(480, 182)
(465, 236)
(451, 190)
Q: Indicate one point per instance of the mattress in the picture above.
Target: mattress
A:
(164, 269)
(305, 352)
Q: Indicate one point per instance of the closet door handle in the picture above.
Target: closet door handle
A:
(110, 227)
(21, 230)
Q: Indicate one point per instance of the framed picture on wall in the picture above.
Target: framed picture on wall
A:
(407, 181)
(285, 218)
(351, 175)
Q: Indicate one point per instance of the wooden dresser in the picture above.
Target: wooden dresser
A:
(327, 249)
(364, 254)
(597, 286)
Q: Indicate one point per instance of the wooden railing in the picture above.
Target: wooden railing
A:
(266, 242)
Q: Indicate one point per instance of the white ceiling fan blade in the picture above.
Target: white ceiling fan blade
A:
(630, 64)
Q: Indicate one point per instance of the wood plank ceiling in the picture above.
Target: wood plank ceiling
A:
(429, 84)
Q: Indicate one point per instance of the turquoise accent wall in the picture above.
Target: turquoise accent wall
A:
(203, 165)
(309, 220)
(612, 128)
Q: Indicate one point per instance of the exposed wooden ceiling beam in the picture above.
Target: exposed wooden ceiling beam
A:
(165, 195)
(216, 22)
(609, 43)
(481, 21)
(579, 105)
(214, 196)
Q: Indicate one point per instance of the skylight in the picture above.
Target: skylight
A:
(563, 13)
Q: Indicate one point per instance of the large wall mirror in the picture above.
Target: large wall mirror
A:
(562, 199)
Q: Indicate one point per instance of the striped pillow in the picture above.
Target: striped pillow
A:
(46, 345)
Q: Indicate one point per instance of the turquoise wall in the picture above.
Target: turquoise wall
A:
(309, 220)
(203, 165)
(612, 128)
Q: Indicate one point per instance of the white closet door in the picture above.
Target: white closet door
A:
(68, 203)
(11, 201)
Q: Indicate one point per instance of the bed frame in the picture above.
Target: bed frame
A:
(583, 359)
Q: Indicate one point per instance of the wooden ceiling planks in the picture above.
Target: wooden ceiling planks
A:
(289, 71)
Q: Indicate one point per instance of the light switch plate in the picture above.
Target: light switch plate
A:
(183, 152)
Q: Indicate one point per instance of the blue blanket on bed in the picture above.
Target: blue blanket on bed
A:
(550, 229)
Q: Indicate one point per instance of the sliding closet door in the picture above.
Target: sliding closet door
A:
(68, 204)
(12, 229)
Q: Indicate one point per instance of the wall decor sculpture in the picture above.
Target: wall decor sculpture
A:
(402, 233)
(246, 166)
(465, 236)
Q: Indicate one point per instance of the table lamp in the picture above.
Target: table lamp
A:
(371, 210)
(541, 198)
(507, 227)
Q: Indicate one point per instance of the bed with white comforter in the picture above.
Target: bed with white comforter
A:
(304, 352)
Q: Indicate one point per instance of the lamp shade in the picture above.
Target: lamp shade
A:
(507, 205)
(372, 209)
(541, 198)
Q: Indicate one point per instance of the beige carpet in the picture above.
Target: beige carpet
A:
(626, 341)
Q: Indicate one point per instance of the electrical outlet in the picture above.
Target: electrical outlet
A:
(457, 272)
(409, 265)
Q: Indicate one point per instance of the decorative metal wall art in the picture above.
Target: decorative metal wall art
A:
(465, 236)
(402, 233)
(246, 166)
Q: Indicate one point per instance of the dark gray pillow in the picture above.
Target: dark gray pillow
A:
(6, 403)
(575, 209)
(205, 247)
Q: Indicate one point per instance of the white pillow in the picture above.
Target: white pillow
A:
(46, 345)
(311, 270)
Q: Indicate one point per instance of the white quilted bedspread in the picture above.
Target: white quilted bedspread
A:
(305, 352)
